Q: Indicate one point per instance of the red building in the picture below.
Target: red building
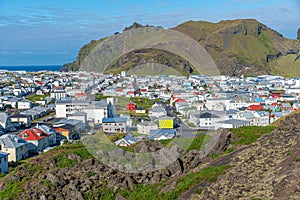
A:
(131, 106)
(38, 138)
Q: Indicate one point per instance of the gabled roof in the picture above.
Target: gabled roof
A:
(33, 134)
(206, 115)
(3, 117)
(11, 141)
(167, 133)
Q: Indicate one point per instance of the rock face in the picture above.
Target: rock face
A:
(298, 34)
(263, 170)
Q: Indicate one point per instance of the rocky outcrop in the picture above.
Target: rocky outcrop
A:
(263, 170)
(89, 175)
(298, 34)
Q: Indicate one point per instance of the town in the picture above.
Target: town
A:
(42, 110)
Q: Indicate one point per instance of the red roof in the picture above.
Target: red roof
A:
(180, 100)
(33, 134)
(83, 94)
(275, 95)
(255, 107)
(119, 90)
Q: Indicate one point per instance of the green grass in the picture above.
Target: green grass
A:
(249, 134)
(36, 97)
(298, 159)
(12, 190)
(101, 96)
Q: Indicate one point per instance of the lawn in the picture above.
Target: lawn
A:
(249, 134)
(37, 97)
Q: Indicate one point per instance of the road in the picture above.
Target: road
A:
(183, 131)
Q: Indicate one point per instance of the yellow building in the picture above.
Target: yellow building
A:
(166, 122)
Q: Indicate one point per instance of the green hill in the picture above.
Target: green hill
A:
(243, 46)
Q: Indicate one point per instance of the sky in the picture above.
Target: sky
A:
(39, 32)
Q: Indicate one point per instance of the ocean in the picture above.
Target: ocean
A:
(34, 68)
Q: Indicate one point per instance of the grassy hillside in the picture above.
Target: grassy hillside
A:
(244, 46)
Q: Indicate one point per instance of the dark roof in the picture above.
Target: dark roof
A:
(18, 115)
(207, 115)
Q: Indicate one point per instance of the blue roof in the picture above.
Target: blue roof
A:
(3, 154)
(259, 100)
(114, 120)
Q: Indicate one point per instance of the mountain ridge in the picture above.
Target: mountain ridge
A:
(241, 46)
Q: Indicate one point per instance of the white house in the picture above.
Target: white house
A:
(5, 122)
(158, 112)
(206, 119)
(232, 123)
(14, 146)
(126, 141)
(257, 118)
(145, 127)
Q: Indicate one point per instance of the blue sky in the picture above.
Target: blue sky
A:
(39, 32)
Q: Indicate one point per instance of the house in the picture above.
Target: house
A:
(5, 122)
(37, 139)
(114, 125)
(3, 162)
(206, 119)
(162, 134)
(232, 123)
(36, 112)
(14, 146)
(81, 96)
(145, 127)
(97, 110)
(78, 124)
(24, 104)
(68, 131)
(257, 118)
(166, 122)
(126, 141)
(50, 131)
(157, 112)
(286, 106)
(131, 106)
(23, 120)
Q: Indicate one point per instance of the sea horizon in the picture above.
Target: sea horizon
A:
(31, 68)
